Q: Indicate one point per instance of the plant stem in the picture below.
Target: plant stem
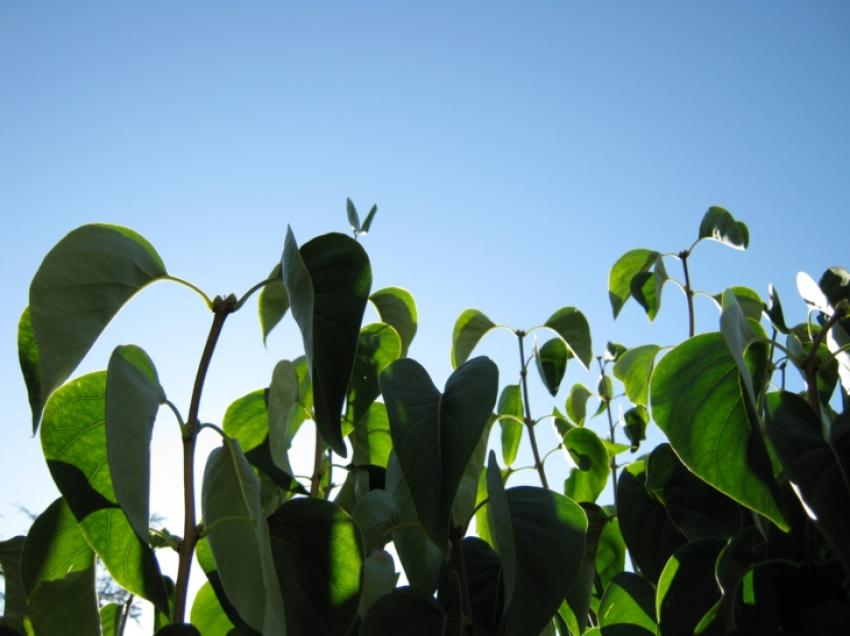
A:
(222, 307)
(689, 292)
(317, 465)
(611, 432)
(460, 565)
(812, 362)
(125, 613)
(529, 422)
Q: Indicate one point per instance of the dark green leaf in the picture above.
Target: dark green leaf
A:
(207, 614)
(484, 574)
(739, 333)
(377, 346)
(56, 605)
(579, 596)
(376, 515)
(15, 599)
(719, 225)
(204, 556)
(628, 607)
(605, 390)
(821, 474)
(110, 619)
(590, 474)
(181, 629)
(750, 302)
(133, 396)
(404, 613)
(647, 286)
(238, 537)
(635, 421)
(571, 325)
(371, 439)
(613, 351)
(367, 224)
(73, 438)
(551, 361)
(81, 284)
(610, 559)
(379, 578)
(698, 402)
(697, 509)
(835, 283)
(469, 328)
(774, 311)
(634, 370)
(466, 497)
(30, 364)
(435, 435)
(397, 308)
(353, 217)
(510, 404)
(576, 404)
(318, 559)
(623, 272)
(273, 302)
(286, 411)
(647, 530)
(687, 588)
(328, 282)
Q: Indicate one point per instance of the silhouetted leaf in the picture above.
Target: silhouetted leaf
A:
(15, 598)
(377, 346)
(774, 310)
(628, 607)
(635, 421)
(469, 328)
(404, 613)
(687, 588)
(353, 217)
(579, 595)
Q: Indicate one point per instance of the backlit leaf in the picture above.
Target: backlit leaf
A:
(469, 328)
(30, 363)
(353, 217)
(510, 404)
(687, 587)
(590, 474)
(571, 325)
(576, 405)
(551, 361)
(273, 302)
(624, 270)
(719, 225)
(207, 614)
(628, 607)
(397, 308)
(634, 370)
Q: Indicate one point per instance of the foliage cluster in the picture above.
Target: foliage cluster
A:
(739, 523)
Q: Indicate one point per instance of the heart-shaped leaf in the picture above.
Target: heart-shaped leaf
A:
(551, 361)
(273, 302)
(81, 284)
(719, 225)
(634, 369)
(289, 401)
(469, 328)
(698, 402)
(623, 272)
(434, 434)
(328, 283)
(610, 560)
(571, 325)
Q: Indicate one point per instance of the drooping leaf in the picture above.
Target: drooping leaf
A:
(73, 439)
(353, 217)
(238, 537)
(328, 282)
(469, 328)
(697, 509)
(646, 287)
(576, 405)
(623, 272)
(774, 310)
(30, 363)
(55, 605)
(81, 284)
(379, 578)
(207, 614)
(318, 559)
(397, 308)
(367, 223)
(510, 405)
(571, 325)
(434, 434)
(647, 530)
(133, 396)
(820, 471)
(377, 346)
(273, 302)
(697, 400)
(628, 607)
(687, 588)
(590, 474)
(540, 538)
(634, 370)
(404, 612)
(719, 225)
(551, 361)
(635, 421)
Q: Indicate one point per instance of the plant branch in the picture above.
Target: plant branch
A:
(222, 307)
(460, 566)
(689, 292)
(812, 362)
(611, 433)
(529, 421)
(251, 291)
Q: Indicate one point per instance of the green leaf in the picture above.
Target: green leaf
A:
(466, 496)
(739, 333)
(70, 601)
(647, 286)
(205, 559)
(328, 282)
(286, 411)
(367, 224)
(377, 346)
(576, 405)
(687, 588)
(133, 396)
(469, 328)
(623, 272)
(647, 530)
(634, 370)
(579, 595)
(110, 619)
(15, 599)
(610, 560)
(376, 515)
(207, 614)
(397, 308)
(30, 364)
(571, 325)
(750, 302)
(54, 548)
(434, 434)
(698, 402)
(484, 576)
(73, 439)
(238, 537)
(819, 470)
(404, 613)
(635, 421)
(719, 225)
(590, 474)
(318, 559)
(774, 311)
(551, 361)
(371, 439)
(697, 509)
(510, 404)
(273, 302)
(540, 538)
(81, 284)
(628, 607)
(353, 217)
(379, 578)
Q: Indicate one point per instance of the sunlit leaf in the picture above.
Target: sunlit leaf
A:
(397, 308)
(628, 607)
(207, 614)
(774, 310)
(551, 361)
(571, 325)
(687, 588)
(273, 302)
(30, 364)
(623, 272)
(646, 287)
(719, 225)
(15, 597)
(56, 604)
(576, 405)
(590, 474)
(510, 404)
(634, 370)
(81, 284)
(469, 328)
(328, 282)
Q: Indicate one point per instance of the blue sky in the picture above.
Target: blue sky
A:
(515, 151)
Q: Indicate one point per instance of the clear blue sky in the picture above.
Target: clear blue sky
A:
(515, 150)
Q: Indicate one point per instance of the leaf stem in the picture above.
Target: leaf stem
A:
(222, 308)
(251, 291)
(689, 292)
(460, 565)
(317, 465)
(529, 421)
(194, 288)
(176, 412)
